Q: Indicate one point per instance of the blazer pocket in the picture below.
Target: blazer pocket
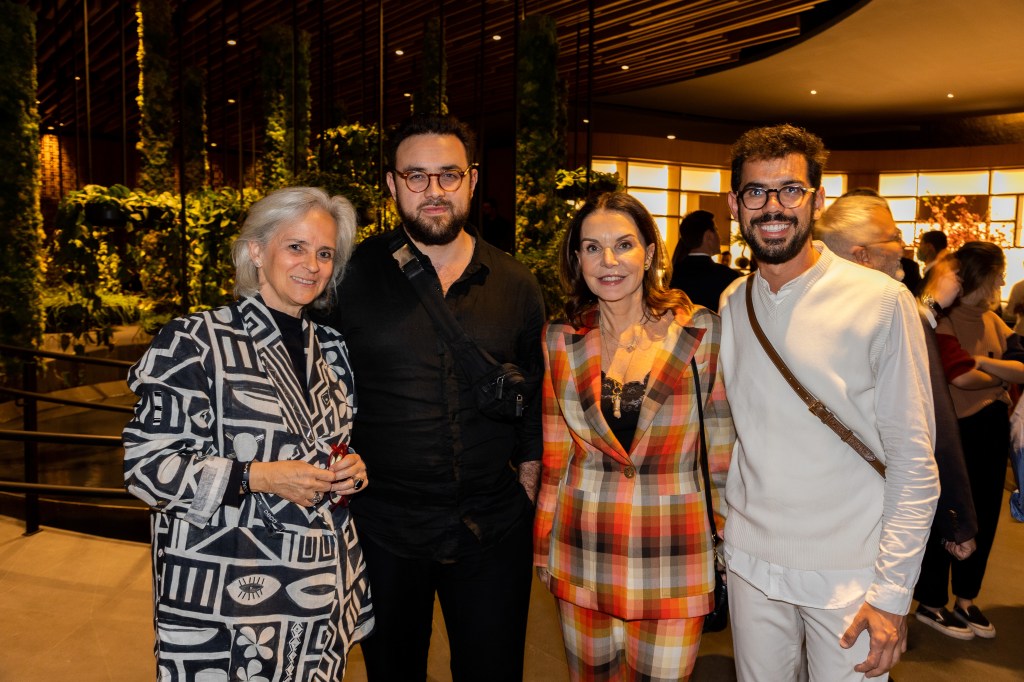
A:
(679, 545)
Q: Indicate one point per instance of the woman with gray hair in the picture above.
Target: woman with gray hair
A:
(239, 445)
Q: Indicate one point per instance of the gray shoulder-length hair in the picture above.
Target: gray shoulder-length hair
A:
(283, 206)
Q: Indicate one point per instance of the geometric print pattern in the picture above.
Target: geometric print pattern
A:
(269, 590)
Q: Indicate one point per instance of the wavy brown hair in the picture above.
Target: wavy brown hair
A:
(658, 299)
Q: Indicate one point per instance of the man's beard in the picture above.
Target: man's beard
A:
(775, 251)
(434, 231)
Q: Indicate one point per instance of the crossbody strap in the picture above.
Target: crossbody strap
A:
(817, 408)
(474, 359)
(704, 455)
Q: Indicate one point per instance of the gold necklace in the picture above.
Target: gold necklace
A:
(629, 348)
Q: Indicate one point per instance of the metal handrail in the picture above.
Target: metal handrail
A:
(71, 357)
(31, 437)
(48, 398)
(58, 438)
(78, 490)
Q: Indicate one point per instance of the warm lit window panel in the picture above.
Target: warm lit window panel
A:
(1008, 181)
(1002, 208)
(647, 175)
(700, 180)
(834, 184)
(656, 202)
(897, 184)
(950, 184)
(903, 209)
(606, 166)
(662, 223)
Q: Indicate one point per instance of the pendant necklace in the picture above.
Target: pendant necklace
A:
(629, 348)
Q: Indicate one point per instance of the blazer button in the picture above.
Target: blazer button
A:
(629, 472)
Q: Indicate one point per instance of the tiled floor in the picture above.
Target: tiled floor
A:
(77, 607)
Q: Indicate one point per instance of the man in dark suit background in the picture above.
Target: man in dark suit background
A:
(694, 269)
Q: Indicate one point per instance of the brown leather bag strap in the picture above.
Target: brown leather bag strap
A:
(817, 408)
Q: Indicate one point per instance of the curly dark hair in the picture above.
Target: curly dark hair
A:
(432, 124)
(658, 299)
(775, 142)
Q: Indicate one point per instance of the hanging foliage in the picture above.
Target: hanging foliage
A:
(197, 167)
(156, 133)
(347, 164)
(97, 257)
(21, 262)
(286, 105)
(540, 150)
(433, 95)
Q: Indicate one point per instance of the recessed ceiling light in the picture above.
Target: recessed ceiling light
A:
(78, 78)
(49, 127)
(949, 95)
(496, 37)
(671, 137)
(232, 42)
(814, 92)
(213, 144)
(399, 52)
(231, 101)
(624, 67)
(406, 94)
(586, 120)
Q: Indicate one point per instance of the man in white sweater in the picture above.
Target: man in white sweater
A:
(823, 553)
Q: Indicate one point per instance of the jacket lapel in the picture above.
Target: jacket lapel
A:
(584, 355)
(670, 362)
(291, 394)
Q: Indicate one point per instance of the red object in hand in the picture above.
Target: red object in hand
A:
(338, 450)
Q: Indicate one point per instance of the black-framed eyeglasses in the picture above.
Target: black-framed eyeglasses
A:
(896, 237)
(789, 196)
(448, 180)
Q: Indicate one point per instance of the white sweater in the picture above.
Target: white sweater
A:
(799, 497)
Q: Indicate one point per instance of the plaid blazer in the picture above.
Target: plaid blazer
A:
(626, 533)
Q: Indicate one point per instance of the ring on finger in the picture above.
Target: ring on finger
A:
(317, 497)
(357, 484)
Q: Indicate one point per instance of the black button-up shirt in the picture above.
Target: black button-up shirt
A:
(436, 465)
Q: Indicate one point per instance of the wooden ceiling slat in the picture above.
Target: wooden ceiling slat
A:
(663, 41)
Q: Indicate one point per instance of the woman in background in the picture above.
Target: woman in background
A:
(973, 343)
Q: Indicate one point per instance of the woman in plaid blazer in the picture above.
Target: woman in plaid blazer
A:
(621, 534)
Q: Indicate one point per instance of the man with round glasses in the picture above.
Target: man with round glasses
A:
(452, 509)
(822, 551)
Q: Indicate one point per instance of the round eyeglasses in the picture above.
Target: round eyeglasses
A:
(448, 180)
(789, 196)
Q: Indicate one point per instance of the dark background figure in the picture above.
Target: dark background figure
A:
(694, 269)
(911, 272)
(496, 229)
(725, 258)
(930, 246)
(451, 509)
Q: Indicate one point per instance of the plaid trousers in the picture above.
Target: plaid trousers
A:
(602, 648)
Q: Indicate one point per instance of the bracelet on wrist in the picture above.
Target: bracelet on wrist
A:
(245, 490)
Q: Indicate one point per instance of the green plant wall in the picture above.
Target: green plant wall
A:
(94, 261)
(156, 98)
(433, 95)
(286, 128)
(540, 150)
(347, 163)
(197, 166)
(21, 262)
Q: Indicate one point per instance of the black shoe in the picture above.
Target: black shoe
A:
(975, 620)
(943, 621)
